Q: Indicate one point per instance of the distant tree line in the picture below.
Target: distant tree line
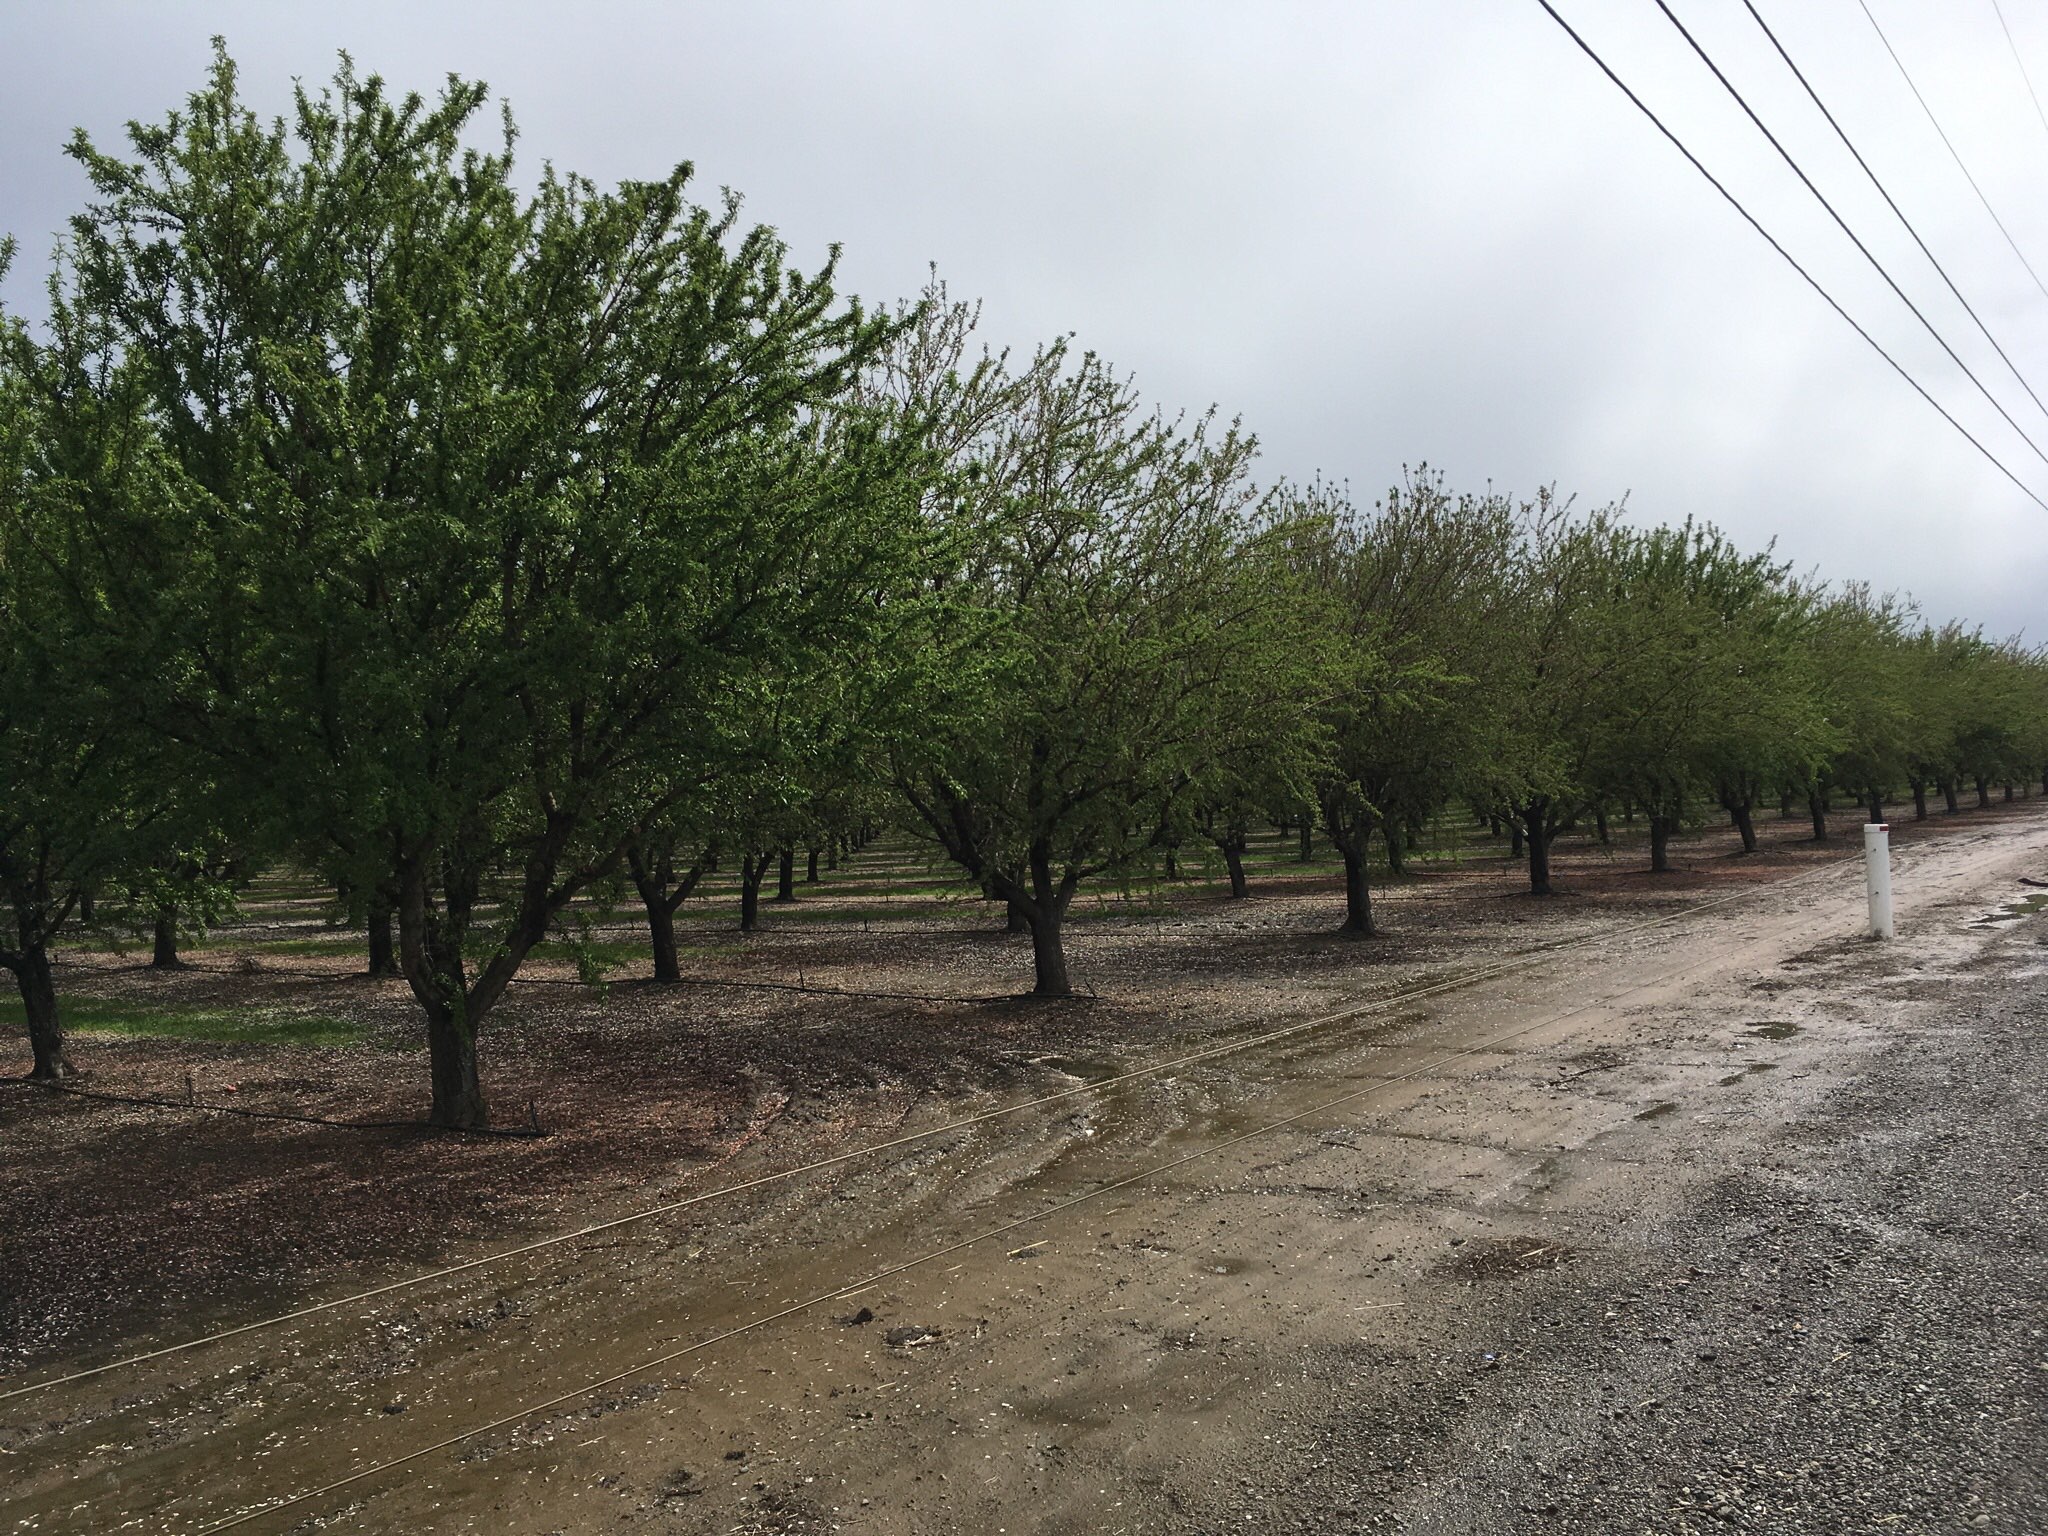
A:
(480, 549)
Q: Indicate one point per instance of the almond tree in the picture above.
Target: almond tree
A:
(1687, 643)
(1548, 669)
(90, 805)
(1419, 589)
(1856, 647)
(501, 517)
(1140, 631)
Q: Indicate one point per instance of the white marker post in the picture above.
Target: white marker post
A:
(1877, 876)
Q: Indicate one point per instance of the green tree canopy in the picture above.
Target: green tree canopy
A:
(504, 521)
(1140, 632)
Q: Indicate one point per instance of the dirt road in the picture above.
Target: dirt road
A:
(1731, 1220)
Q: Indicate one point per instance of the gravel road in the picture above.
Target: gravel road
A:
(1831, 1322)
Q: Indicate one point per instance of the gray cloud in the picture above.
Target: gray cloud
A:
(1381, 232)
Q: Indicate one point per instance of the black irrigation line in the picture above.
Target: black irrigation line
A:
(972, 999)
(187, 968)
(531, 1131)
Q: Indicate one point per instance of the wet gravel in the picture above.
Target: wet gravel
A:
(1843, 1328)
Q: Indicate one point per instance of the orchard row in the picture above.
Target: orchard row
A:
(476, 548)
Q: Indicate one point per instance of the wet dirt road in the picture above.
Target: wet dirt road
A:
(1549, 1250)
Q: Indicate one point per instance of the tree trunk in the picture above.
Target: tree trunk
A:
(1919, 799)
(458, 1094)
(1785, 805)
(1017, 921)
(1600, 825)
(1233, 860)
(1817, 805)
(832, 854)
(1308, 840)
(1515, 841)
(1983, 794)
(1745, 825)
(785, 876)
(661, 928)
(752, 869)
(662, 895)
(39, 1006)
(2008, 789)
(383, 953)
(1660, 843)
(1397, 853)
(164, 941)
(1948, 795)
(811, 865)
(1172, 865)
(86, 907)
(1357, 894)
(1493, 826)
(1876, 806)
(1536, 826)
(1049, 953)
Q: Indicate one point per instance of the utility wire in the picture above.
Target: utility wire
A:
(1847, 144)
(1954, 154)
(1790, 260)
(1999, 12)
(1843, 224)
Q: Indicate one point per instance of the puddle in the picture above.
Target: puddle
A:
(1774, 1030)
(2013, 911)
(1082, 1068)
(1655, 1110)
(1494, 1258)
(1736, 1077)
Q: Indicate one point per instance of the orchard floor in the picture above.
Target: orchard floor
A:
(1736, 1218)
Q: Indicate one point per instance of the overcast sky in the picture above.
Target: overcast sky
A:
(1382, 231)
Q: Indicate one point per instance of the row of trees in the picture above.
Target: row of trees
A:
(480, 549)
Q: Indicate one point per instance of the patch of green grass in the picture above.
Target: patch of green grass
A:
(259, 1026)
(341, 942)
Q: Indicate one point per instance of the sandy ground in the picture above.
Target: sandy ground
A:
(1732, 1219)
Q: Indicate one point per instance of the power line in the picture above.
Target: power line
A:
(1843, 224)
(1999, 12)
(1891, 204)
(1790, 260)
(1954, 154)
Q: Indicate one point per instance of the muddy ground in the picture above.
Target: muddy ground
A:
(1730, 1220)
